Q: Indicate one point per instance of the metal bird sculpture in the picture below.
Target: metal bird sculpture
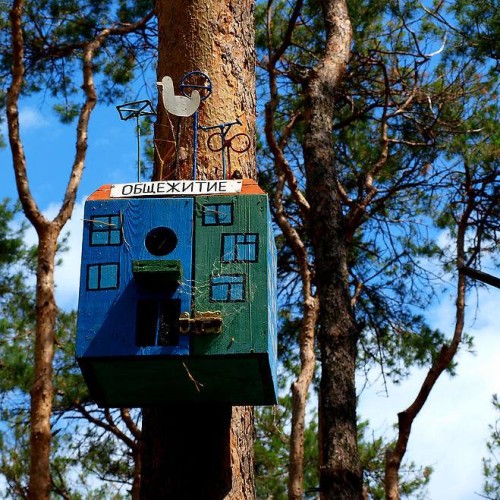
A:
(178, 105)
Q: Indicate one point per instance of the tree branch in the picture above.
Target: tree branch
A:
(83, 121)
(394, 456)
(30, 208)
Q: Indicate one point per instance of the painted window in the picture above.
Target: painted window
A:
(103, 276)
(227, 288)
(218, 214)
(240, 247)
(106, 230)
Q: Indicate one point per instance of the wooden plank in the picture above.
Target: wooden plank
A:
(157, 272)
(245, 313)
(135, 382)
(249, 187)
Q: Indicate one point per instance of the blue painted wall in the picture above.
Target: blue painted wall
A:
(107, 317)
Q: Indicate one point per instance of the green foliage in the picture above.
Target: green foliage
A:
(14, 455)
(271, 452)
(491, 464)
(416, 149)
(67, 113)
(271, 458)
(16, 298)
(372, 455)
(479, 23)
(421, 126)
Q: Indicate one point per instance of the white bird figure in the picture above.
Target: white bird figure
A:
(178, 105)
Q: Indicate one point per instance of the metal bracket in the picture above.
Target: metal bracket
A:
(209, 322)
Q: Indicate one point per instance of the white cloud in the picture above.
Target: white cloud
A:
(31, 118)
(68, 273)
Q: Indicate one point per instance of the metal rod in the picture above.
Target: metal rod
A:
(135, 110)
(223, 139)
(138, 148)
(223, 130)
(177, 147)
(195, 145)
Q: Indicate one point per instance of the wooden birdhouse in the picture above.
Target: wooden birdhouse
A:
(178, 294)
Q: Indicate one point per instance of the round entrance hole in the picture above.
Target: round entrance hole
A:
(161, 241)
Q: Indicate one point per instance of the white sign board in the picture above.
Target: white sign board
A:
(175, 188)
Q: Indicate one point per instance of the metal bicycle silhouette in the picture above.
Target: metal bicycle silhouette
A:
(218, 141)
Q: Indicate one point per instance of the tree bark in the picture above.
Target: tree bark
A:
(300, 392)
(202, 451)
(42, 390)
(340, 471)
(310, 300)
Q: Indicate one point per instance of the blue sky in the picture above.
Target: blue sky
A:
(451, 432)
(49, 148)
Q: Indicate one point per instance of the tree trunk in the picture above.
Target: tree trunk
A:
(42, 389)
(340, 471)
(217, 38)
(391, 478)
(137, 479)
(194, 451)
(300, 392)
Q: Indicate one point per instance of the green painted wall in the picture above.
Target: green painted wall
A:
(245, 324)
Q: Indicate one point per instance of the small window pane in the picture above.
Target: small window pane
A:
(225, 214)
(100, 223)
(109, 276)
(219, 214)
(93, 277)
(102, 276)
(228, 248)
(114, 238)
(220, 291)
(114, 220)
(227, 288)
(209, 217)
(237, 291)
(99, 238)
